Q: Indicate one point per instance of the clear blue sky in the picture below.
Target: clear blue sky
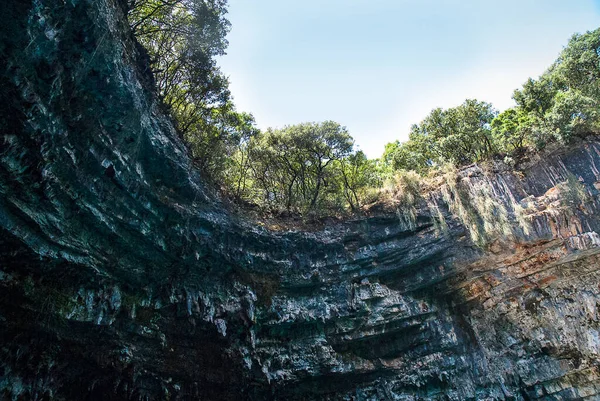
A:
(378, 66)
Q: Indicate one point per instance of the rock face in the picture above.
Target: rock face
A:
(122, 277)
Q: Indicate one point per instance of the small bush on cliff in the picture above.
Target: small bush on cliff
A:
(406, 195)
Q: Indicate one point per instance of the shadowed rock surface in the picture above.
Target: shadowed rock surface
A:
(123, 278)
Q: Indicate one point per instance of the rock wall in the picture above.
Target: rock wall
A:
(123, 278)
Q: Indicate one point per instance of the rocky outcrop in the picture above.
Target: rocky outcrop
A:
(122, 276)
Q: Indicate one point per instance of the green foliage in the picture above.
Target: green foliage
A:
(512, 130)
(562, 104)
(214, 142)
(313, 167)
(536, 96)
(458, 135)
(572, 114)
(406, 156)
(358, 175)
(305, 167)
(578, 66)
(296, 164)
(182, 38)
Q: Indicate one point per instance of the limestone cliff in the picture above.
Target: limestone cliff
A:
(122, 277)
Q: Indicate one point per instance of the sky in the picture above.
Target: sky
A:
(379, 66)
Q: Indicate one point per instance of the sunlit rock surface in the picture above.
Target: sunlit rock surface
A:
(122, 277)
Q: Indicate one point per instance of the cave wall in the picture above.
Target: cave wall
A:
(122, 277)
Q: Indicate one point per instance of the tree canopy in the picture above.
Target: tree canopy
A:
(562, 104)
(302, 167)
(458, 135)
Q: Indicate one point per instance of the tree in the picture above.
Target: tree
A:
(237, 175)
(537, 96)
(182, 38)
(513, 130)
(578, 66)
(322, 144)
(410, 155)
(575, 107)
(562, 103)
(358, 174)
(459, 135)
(304, 167)
(215, 139)
(573, 114)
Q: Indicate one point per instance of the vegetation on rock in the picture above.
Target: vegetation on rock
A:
(315, 167)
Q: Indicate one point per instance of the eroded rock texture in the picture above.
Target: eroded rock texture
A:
(122, 278)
